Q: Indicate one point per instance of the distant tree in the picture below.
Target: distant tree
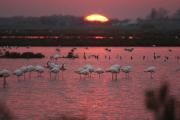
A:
(176, 15)
(158, 14)
(139, 20)
(152, 15)
(125, 21)
(46, 20)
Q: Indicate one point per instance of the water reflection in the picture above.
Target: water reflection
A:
(95, 98)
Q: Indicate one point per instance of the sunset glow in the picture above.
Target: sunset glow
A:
(96, 18)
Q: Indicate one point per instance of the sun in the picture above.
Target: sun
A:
(96, 18)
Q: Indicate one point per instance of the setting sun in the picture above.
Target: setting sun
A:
(96, 18)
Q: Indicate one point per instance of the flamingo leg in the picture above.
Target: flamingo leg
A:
(4, 83)
(24, 76)
(62, 75)
(151, 75)
(30, 75)
(116, 76)
(40, 74)
(18, 78)
(50, 75)
(58, 75)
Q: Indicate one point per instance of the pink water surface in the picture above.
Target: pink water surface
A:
(97, 99)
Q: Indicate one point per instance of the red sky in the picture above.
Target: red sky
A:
(112, 8)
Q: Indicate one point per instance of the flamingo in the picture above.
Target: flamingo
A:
(85, 72)
(114, 69)
(30, 69)
(108, 49)
(151, 70)
(24, 69)
(56, 56)
(5, 73)
(78, 71)
(51, 65)
(129, 49)
(54, 70)
(58, 49)
(18, 73)
(63, 68)
(39, 69)
(99, 71)
(126, 70)
(89, 68)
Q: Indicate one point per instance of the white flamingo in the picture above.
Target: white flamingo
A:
(62, 68)
(151, 70)
(24, 69)
(89, 68)
(55, 70)
(51, 65)
(5, 73)
(99, 71)
(39, 69)
(18, 73)
(56, 56)
(114, 69)
(85, 72)
(30, 69)
(116, 66)
(78, 71)
(126, 70)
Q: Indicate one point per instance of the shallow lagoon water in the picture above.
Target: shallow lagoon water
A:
(94, 98)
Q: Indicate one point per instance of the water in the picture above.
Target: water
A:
(97, 99)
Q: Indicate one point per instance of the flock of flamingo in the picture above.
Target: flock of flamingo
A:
(54, 68)
(87, 70)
